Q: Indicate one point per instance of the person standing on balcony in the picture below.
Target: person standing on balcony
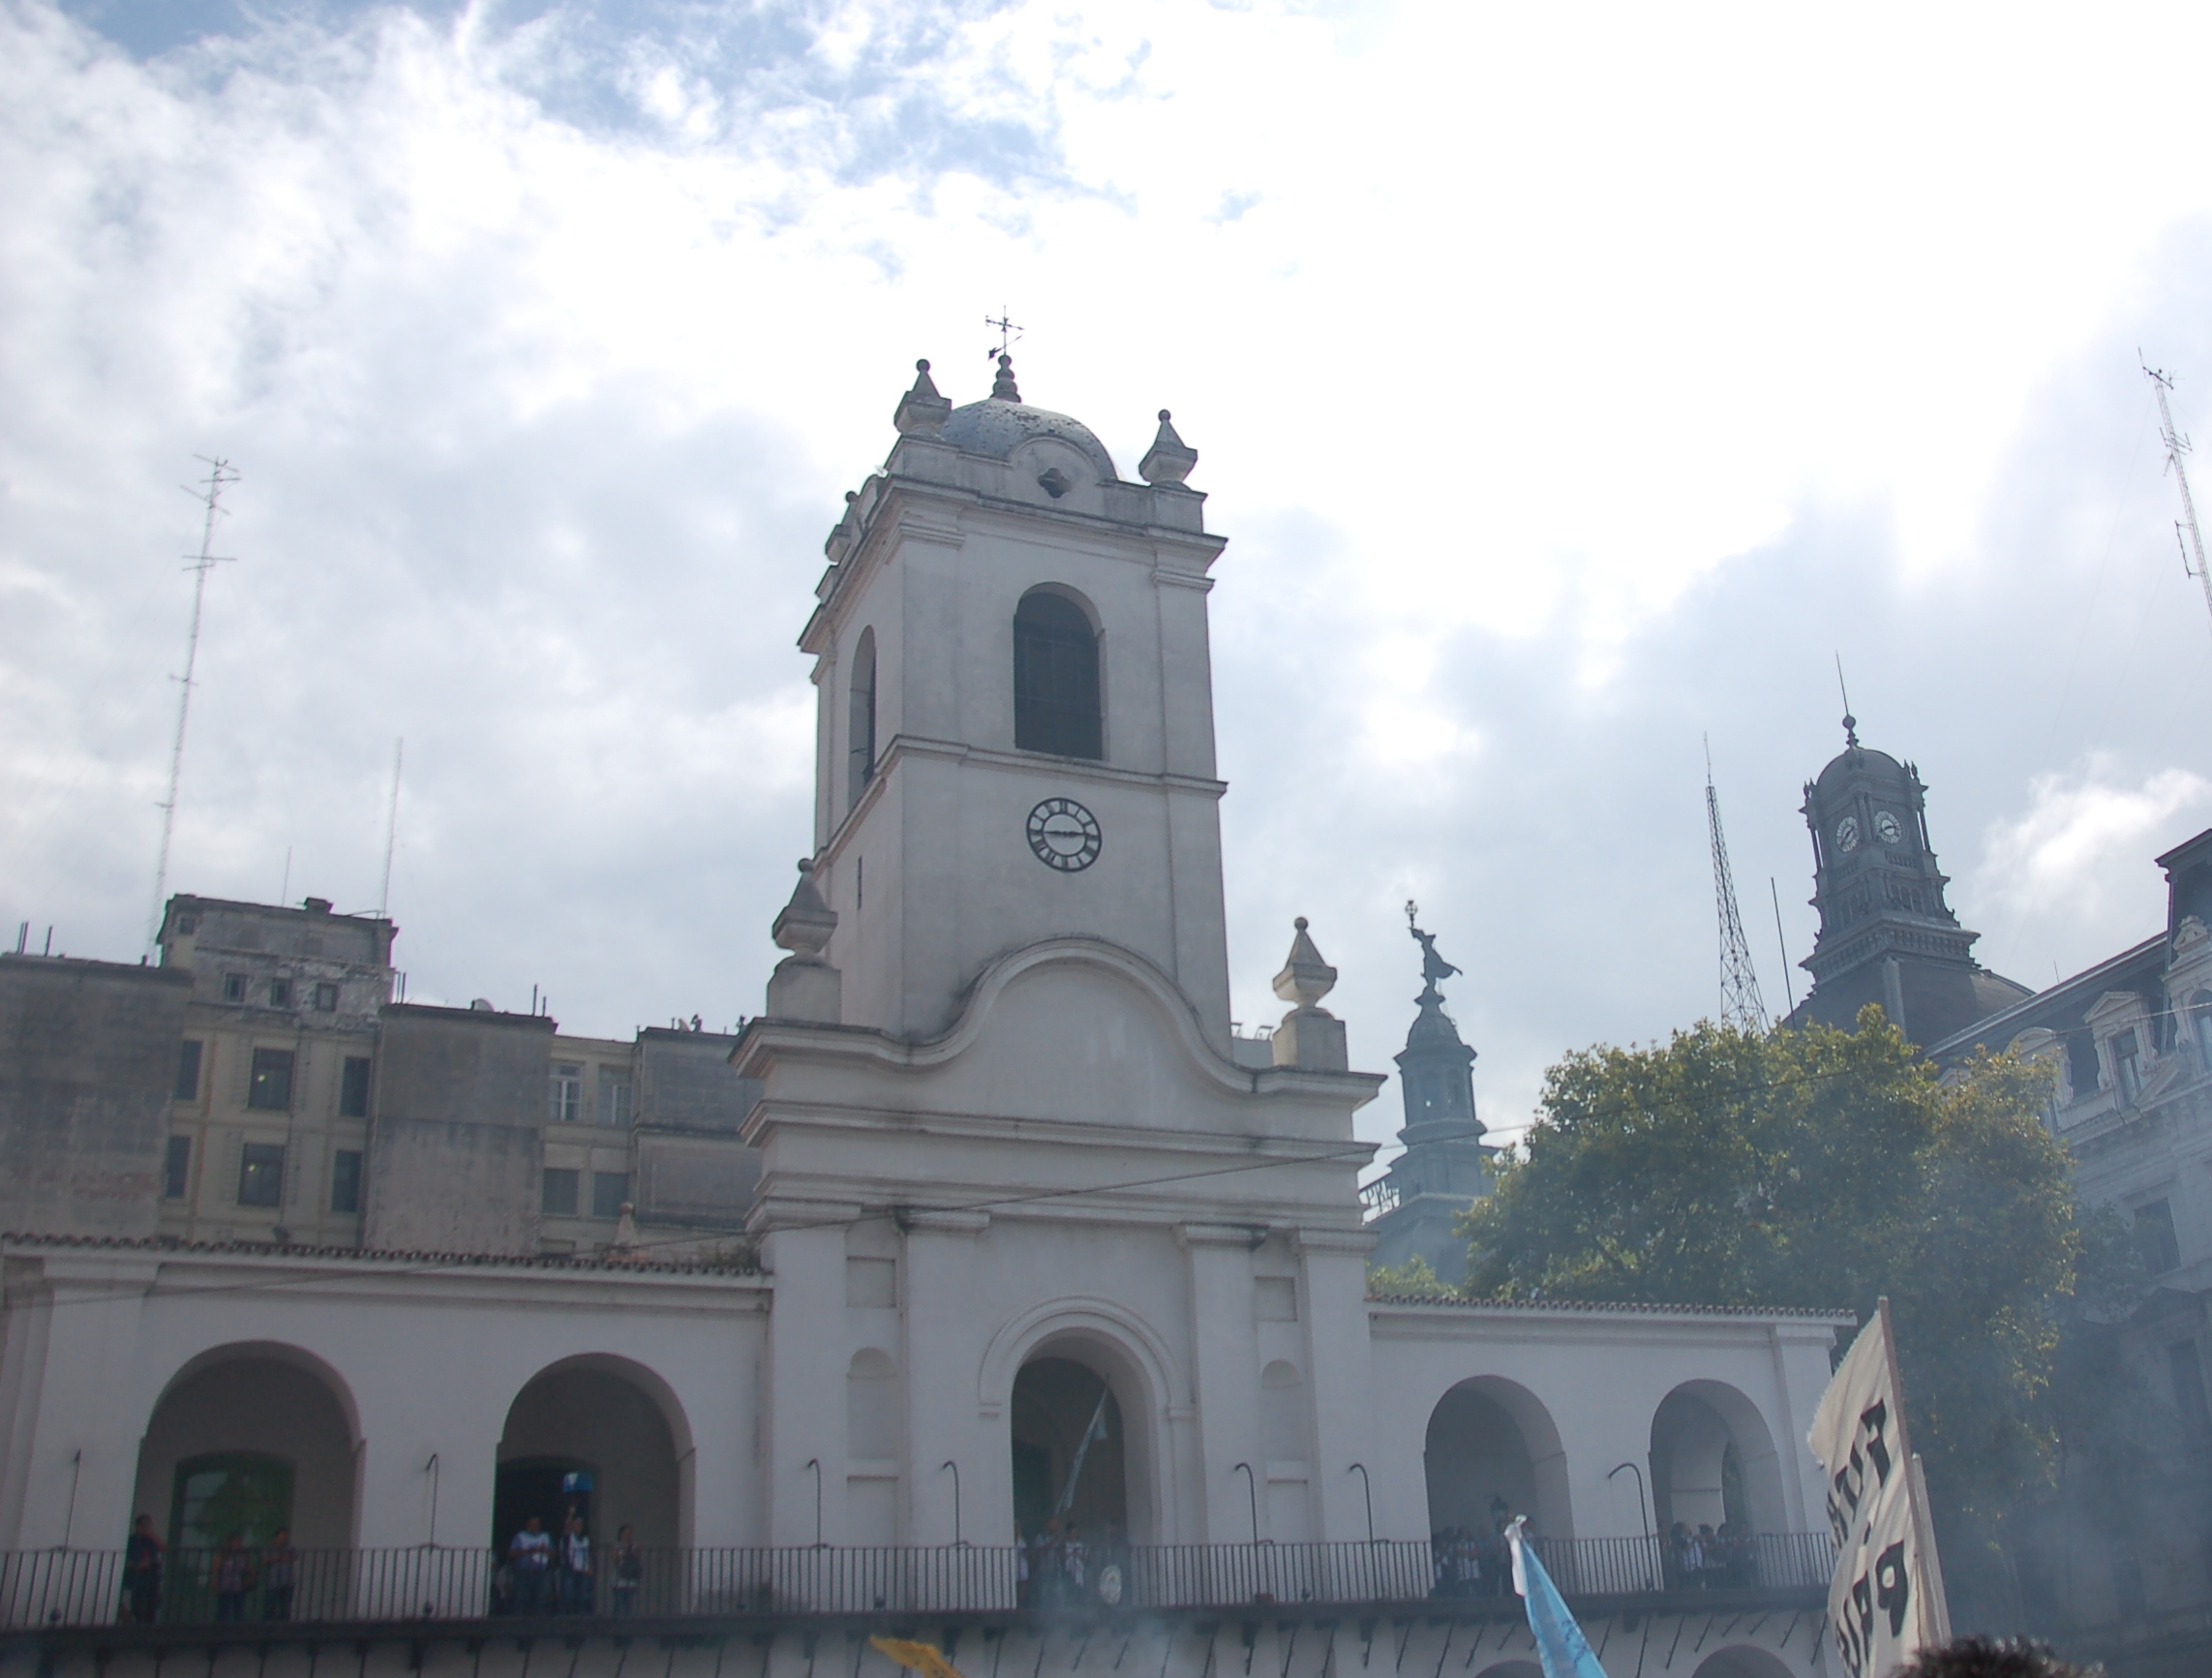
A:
(530, 1555)
(575, 1568)
(280, 1573)
(628, 1570)
(233, 1579)
(143, 1571)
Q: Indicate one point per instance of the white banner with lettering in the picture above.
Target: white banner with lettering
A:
(1886, 1600)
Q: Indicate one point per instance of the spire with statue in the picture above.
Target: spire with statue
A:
(1444, 1168)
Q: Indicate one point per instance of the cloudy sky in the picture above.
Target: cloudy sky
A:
(1573, 381)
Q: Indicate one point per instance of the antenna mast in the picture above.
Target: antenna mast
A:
(391, 831)
(1739, 1002)
(221, 474)
(2185, 529)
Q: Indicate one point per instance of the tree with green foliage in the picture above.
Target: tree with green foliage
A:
(1814, 1169)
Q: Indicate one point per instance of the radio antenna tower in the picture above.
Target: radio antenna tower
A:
(208, 492)
(1739, 1002)
(2185, 529)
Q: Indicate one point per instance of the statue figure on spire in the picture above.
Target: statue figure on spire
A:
(1434, 967)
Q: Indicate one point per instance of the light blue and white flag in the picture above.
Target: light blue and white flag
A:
(1560, 1643)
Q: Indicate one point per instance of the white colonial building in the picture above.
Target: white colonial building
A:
(1036, 1235)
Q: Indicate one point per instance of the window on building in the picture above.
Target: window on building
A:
(269, 1086)
(2081, 1069)
(280, 992)
(354, 1088)
(176, 1169)
(609, 1190)
(559, 1198)
(327, 998)
(860, 739)
(2200, 1027)
(233, 987)
(261, 1175)
(567, 1102)
(614, 1096)
(1055, 678)
(2187, 1369)
(2128, 1064)
(188, 1070)
(2154, 1234)
(346, 1180)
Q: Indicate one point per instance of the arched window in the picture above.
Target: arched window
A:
(871, 1405)
(859, 735)
(1055, 678)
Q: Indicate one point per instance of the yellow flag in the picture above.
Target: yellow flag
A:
(919, 1656)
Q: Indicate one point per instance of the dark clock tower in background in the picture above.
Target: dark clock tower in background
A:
(1885, 934)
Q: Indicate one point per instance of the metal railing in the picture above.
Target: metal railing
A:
(206, 1587)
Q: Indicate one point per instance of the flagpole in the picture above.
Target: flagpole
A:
(1916, 1489)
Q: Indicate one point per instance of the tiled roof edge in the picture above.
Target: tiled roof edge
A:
(1607, 1307)
(166, 1244)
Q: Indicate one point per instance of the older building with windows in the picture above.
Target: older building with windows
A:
(1050, 1327)
(2128, 1042)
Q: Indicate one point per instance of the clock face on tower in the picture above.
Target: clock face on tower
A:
(1064, 835)
(1885, 828)
(1847, 834)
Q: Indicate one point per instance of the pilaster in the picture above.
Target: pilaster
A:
(1226, 1355)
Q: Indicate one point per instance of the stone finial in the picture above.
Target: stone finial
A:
(803, 925)
(1310, 1038)
(1170, 459)
(921, 411)
(1305, 978)
(1003, 389)
(804, 985)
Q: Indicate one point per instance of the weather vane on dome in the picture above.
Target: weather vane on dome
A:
(1850, 722)
(1007, 333)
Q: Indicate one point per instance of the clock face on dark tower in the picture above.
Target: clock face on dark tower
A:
(1064, 835)
(1886, 828)
(1847, 834)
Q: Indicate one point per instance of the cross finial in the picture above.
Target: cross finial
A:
(1008, 332)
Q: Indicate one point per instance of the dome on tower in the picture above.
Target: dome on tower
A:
(1003, 422)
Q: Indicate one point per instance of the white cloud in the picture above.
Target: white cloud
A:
(1571, 381)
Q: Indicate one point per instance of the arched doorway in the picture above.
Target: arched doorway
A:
(1071, 1453)
(1492, 1453)
(600, 1437)
(248, 1438)
(1713, 1462)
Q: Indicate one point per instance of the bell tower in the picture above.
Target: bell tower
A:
(1014, 733)
(1887, 934)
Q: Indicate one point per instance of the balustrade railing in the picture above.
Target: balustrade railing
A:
(206, 1587)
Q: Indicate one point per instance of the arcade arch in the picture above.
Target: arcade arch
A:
(1714, 1461)
(602, 1437)
(1492, 1452)
(247, 1438)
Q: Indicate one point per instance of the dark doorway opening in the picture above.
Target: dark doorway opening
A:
(1069, 1451)
(549, 1487)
